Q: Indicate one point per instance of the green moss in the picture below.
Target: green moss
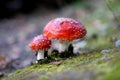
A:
(90, 61)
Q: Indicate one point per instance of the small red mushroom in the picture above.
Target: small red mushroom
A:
(40, 44)
(65, 30)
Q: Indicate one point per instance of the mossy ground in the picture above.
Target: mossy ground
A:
(91, 64)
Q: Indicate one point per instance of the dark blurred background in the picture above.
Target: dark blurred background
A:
(10, 8)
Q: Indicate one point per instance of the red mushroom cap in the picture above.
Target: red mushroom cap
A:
(40, 43)
(64, 29)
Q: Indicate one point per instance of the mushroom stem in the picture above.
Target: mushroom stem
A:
(63, 45)
(40, 55)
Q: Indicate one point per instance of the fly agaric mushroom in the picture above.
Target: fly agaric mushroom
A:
(40, 44)
(65, 30)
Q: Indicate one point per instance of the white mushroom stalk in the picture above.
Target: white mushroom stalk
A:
(40, 55)
(63, 46)
(60, 45)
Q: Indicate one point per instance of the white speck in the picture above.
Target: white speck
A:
(78, 31)
(73, 30)
(36, 62)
